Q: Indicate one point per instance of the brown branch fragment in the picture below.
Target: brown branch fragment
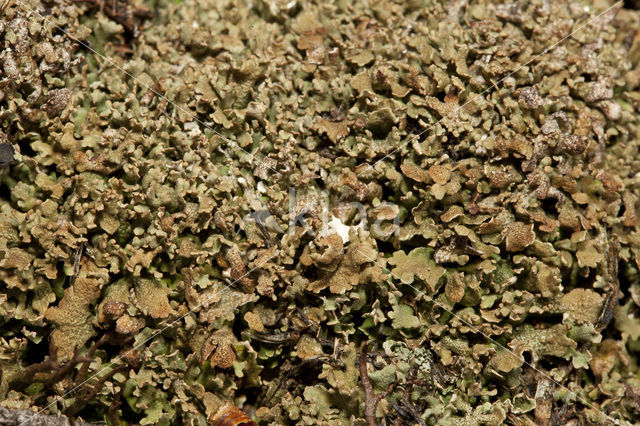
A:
(92, 351)
(82, 400)
(112, 413)
(371, 400)
(34, 373)
(611, 277)
(63, 371)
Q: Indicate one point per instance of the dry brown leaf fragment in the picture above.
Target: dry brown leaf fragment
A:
(229, 415)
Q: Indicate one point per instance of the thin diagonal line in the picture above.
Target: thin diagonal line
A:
(494, 85)
(139, 345)
(475, 329)
(150, 88)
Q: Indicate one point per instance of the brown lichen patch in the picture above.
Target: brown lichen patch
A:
(128, 325)
(152, 298)
(325, 254)
(439, 174)
(361, 82)
(573, 144)
(518, 236)
(219, 350)
(116, 298)
(334, 130)
(109, 223)
(72, 316)
(372, 102)
(238, 269)
(582, 306)
(452, 213)
(350, 269)
(552, 341)
(254, 322)
(530, 98)
(218, 301)
(604, 358)
(588, 255)
(504, 362)
(547, 279)
(15, 258)
(223, 356)
(229, 415)
(381, 121)
(113, 309)
(455, 288)
(308, 347)
(312, 41)
(412, 171)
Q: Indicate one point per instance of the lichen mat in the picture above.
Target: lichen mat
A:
(325, 212)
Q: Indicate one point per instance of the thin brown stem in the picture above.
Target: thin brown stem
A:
(67, 367)
(114, 418)
(92, 351)
(81, 401)
(371, 400)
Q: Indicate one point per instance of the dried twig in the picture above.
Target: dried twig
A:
(82, 400)
(63, 371)
(77, 258)
(33, 373)
(114, 419)
(85, 367)
(611, 277)
(371, 400)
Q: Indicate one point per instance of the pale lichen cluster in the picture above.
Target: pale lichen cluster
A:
(134, 269)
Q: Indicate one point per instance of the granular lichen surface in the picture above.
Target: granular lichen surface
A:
(320, 212)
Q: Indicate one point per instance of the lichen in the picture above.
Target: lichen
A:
(396, 212)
